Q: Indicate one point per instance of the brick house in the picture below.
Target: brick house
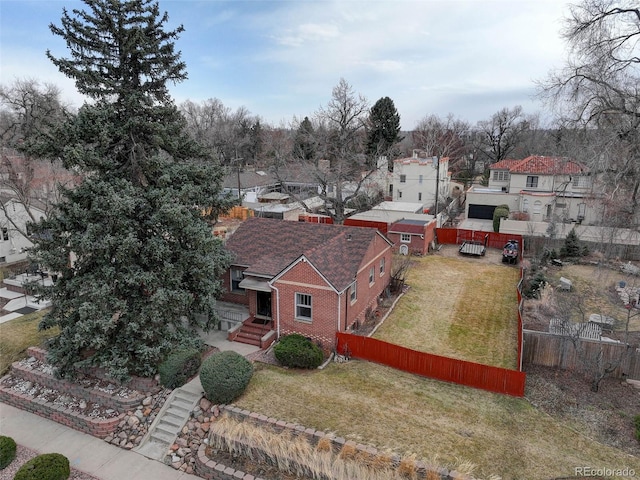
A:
(414, 237)
(299, 277)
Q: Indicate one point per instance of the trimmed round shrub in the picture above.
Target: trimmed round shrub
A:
(297, 351)
(7, 451)
(179, 367)
(49, 466)
(225, 376)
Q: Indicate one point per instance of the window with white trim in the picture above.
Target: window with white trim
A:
(382, 266)
(532, 181)
(303, 307)
(353, 292)
(500, 175)
(372, 275)
(420, 179)
(403, 179)
(405, 237)
(580, 181)
(236, 278)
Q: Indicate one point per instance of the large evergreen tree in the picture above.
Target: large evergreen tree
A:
(383, 129)
(138, 268)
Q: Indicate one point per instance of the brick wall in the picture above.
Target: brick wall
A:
(77, 390)
(212, 470)
(327, 306)
(228, 295)
(95, 427)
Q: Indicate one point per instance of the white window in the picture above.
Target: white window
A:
(405, 237)
(403, 179)
(236, 278)
(537, 207)
(382, 266)
(372, 275)
(353, 292)
(581, 181)
(500, 175)
(303, 307)
(532, 181)
(525, 205)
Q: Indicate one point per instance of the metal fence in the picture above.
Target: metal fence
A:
(485, 377)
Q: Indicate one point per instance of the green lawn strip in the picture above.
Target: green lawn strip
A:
(445, 423)
(19, 334)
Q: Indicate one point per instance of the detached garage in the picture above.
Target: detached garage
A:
(483, 212)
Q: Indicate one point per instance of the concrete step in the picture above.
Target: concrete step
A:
(173, 421)
(162, 437)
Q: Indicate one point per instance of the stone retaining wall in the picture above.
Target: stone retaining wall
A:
(96, 427)
(141, 384)
(212, 470)
(89, 394)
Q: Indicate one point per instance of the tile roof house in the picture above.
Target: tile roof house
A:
(298, 277)
(539, 189)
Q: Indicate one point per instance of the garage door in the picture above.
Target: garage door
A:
(484, 212)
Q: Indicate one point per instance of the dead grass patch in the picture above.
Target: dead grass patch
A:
(19, 334)
(595, 285)
(458, 309)
(443, 424)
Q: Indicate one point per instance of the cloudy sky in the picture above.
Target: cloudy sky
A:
(280, 59)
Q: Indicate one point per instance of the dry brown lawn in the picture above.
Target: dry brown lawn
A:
(449, 425)
(459, 308)
(19, 334)
(593, 285)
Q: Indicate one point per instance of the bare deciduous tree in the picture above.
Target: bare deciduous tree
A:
(338, 168)
(499, 136)
(598, 91)
(28, 111)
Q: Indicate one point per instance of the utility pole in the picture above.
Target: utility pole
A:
(236, 160)
(436, 159)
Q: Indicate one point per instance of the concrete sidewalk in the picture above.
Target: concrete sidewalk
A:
(86, 453)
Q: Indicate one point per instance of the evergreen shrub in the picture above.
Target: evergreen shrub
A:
(7, 451)
(49, 466)
(297, 351)
(501, 211)
(179, 367)
(225, 376)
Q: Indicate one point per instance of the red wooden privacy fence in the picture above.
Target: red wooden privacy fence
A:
(485, 377)
(456, 236)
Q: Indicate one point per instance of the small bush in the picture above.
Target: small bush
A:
(501, 211)
(7, 451)
(225, 376)
(50, 466)
(179, 367)
(636, 423)
(297, 351)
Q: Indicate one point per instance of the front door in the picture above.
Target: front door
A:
(263, 304)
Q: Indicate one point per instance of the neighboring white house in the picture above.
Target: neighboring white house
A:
(416, 178)
(13, 244)
(537, 189)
